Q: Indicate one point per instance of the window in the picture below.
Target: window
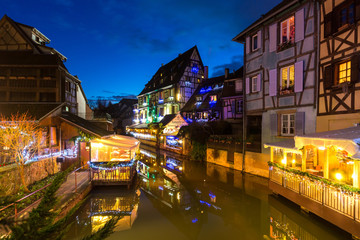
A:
(239, 104)
(254, 42)
(67, 86)
(287, 78)
(288, 124)
(198, 98)
(287, 33)
(341, 17)
(346, 15)
(213, 98)
(344, 72)
(254, 84)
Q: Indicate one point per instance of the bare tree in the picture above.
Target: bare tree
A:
(21, 137)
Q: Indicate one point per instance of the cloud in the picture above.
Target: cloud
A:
(236, 63)
(106, 91)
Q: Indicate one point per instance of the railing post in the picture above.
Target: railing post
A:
(300, 187)
(15, 211)
(75, 183)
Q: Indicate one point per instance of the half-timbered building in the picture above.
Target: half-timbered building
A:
(171, 87)
(280, 69)
(339, 87)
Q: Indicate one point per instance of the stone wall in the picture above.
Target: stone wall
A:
(255, 163)
(10, 180)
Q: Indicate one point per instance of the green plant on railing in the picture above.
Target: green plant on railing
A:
(341, 186)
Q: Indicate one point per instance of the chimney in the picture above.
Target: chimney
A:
(226, 73)
(206, 72)
(162, 64)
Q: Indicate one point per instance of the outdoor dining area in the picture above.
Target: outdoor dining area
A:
(112, 160)
(320, 172)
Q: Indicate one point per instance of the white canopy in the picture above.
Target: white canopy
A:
(347, 139)
(119, 141)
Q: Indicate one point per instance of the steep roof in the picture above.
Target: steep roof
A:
(84, 124)
(26, 32)
(167, 118)
(275, 12)
(174, 68)
(203, 91)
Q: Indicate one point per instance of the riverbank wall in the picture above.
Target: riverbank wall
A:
(10, 181)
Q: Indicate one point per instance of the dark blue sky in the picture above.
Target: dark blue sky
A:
(115, 46)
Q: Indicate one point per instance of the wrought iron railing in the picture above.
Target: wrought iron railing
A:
(344, 202)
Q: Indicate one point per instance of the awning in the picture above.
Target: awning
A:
(347, 139)
(286, 145)
(119, 141)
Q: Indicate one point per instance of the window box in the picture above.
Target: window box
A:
(285, 45)
(286, 91)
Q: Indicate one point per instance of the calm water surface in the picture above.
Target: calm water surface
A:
(174, 199)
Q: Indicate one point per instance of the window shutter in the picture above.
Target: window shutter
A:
(247, 45)
(247, 87)
(258, 83)
(272, 37)
(299, 123)
(273, 125)
(299, 25)
(357, 11)
(259, 39)
(328, 77)
(355, 69)
(328, 25)
(272, 82)
(299, 76)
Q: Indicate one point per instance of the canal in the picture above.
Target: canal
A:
(179, 199)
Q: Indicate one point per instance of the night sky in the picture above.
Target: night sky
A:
(115, 47)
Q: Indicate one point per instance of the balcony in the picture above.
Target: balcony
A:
(336, 203)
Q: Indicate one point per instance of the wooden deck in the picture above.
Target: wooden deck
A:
(119, 176)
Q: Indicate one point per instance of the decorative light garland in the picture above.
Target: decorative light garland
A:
(300, 175)
(115, 167)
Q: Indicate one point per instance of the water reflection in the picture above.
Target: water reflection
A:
(180, 199)
(101, 206)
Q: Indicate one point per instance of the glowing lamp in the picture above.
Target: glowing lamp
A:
(180, 168)
(293, 161)
(338, 176)
(321, 148)
(283, 161)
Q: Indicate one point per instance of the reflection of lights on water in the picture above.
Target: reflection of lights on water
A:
(194, 220)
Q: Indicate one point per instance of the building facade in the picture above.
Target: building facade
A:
(171, 87)
(280, 72)
(339, 96)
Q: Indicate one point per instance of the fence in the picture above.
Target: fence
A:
(118, 174)
(346, 203)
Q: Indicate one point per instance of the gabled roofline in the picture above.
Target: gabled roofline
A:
(22, 33)
(46, 115)
(241, 36)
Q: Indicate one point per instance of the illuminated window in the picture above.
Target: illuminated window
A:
(213, 98)
(287, 77)
(254, 84)
(344, 72)
(288, 124)
(287, 30)
(254, 42)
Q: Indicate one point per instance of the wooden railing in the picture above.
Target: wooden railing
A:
(346, 203)
(15, 204)
(119, 174)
